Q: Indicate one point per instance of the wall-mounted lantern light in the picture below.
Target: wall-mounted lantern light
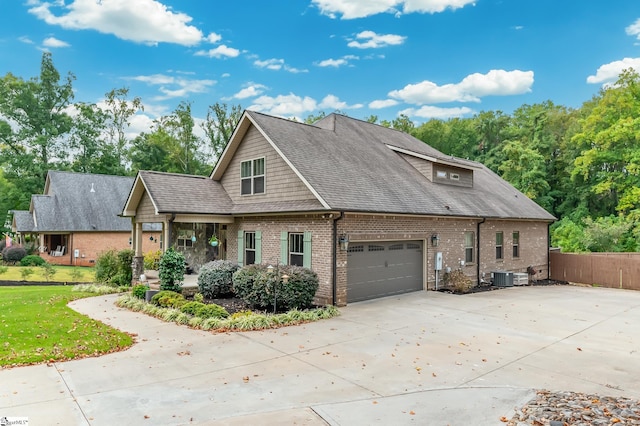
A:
(193, 239)
(435, 239)
(344, 242)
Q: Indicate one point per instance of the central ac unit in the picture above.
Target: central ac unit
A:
(502, 278)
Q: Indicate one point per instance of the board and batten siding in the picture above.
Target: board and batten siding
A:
(146, 212)
(282, 184)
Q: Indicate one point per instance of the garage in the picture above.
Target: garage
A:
(377, 269)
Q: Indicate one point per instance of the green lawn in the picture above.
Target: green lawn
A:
(37, 326)
(64, 274)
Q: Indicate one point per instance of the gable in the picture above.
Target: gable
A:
(280, 181)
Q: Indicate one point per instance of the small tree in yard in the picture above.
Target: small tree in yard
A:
(171, 272)
(48, 271)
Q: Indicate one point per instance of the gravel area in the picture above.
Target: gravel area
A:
(576, 409)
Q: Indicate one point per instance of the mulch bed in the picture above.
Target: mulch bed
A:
(485, 288)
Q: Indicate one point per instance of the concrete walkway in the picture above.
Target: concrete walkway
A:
(421, 358)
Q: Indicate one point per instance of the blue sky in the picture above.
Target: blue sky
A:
(423, 58)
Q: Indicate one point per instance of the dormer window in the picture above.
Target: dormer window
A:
(441, 174)
(454, 176)
(252, 177)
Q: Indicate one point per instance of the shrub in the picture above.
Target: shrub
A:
(140, 291)
(152, 259)
(106, 266)
(26, 273)
(171, 270)
(166, 298)
(32, 260)
(198, 297)
(212, 311)
(3, 269)
(13, 254)
(76, 274)
(125, 272)
(256, 286)
(215, 278)
(457, 281)
(191, 307)
(48, 271)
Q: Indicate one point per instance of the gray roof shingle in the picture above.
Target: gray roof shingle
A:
(350, 165)
(23, 221)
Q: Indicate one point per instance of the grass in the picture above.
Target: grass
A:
(64, 274)
(36, 326)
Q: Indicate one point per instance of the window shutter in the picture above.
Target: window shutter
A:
(258, 247)
(241, 248)
(284, 247)
(306, 258)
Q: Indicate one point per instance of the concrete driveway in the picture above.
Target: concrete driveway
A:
(421, 358)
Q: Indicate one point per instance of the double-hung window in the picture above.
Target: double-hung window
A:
(296, 249)
(252, 177)
(249, 248)
(499, 239)
(516, 244)
(468, 247)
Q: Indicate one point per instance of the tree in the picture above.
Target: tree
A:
(219, 126)
(118, 113)
(185, 152)
(34, 125)
(312, 118)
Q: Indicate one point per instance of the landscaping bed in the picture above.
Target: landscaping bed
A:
(485, 288)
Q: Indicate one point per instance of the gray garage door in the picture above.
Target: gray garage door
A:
(377, 269)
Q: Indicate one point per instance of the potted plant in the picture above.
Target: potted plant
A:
(213, 241)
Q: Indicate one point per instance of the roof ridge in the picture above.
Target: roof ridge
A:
(173, 174)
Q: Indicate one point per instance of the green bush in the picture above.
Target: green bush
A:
(167, 298)
(262, 289)
(152, 259)
(114, 268)
(171, 270)
(32, 260)
(140, 291)
(212, 311)
(191, 307)
(13, 254)
(3, 269)
(48, 271)
(215, 279)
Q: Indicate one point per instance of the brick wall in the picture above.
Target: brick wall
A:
(362, 227)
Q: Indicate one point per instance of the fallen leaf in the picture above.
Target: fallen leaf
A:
(504, 419)
(374, 402)
(245, 379)
(147, 417)
(580, 349)
(433, 374)
(412, 413)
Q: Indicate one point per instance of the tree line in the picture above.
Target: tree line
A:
(580, 164)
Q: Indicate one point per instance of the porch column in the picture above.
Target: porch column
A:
(137, 266)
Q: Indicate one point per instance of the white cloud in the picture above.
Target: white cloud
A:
(214, 38)
(277, 65)
(428, 111)
(634, 29)
(142, 21)
(609, 73)
(375, 41)
(470, 89)
(333, 63)
(25, 39)
(378, 104)
(219, 52)
(172, 87)
(352, 9)
(284, 105)
(250, 91)
(54, 42)
(333, 102)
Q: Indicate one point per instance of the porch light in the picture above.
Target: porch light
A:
(435, 239)
(344, 242)
(193, 239)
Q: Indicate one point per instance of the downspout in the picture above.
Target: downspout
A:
(334, 289)
(548, 248)
(478, 253)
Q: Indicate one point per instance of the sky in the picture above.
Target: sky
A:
(294, 58)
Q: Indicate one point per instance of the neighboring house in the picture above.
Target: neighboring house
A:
(364, 206)
(76, 218)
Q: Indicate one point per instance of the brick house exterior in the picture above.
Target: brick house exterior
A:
(78, 212)
(366, 207)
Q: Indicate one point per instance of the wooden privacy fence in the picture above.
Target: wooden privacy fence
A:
(615, 270)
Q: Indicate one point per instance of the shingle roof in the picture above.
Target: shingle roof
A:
(176, 193)
(23, 221)
(349, 164)
(81, 202)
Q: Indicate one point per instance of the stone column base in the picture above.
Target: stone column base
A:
(137, 268)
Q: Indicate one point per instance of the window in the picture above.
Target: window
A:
(468, 247)
(455, 176)
(499, 245)
(252, 177)
(441, 174)
(516, 244)
(186, 237)
(249, 248)
(296, 249)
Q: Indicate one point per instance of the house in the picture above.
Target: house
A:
(373, 211)
(76, 218)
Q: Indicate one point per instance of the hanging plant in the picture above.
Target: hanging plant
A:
(213, 241)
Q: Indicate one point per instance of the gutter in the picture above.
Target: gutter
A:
(334, 271)
(478, 253)
(548, 247)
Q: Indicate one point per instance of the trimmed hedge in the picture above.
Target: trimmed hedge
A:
(168, 299)
(140, 291)
(171, 270)
(263, 289)
(215, 279)
(13, 254)
(32, 260)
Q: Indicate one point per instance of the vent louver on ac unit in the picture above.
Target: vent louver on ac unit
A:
(502, 278)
